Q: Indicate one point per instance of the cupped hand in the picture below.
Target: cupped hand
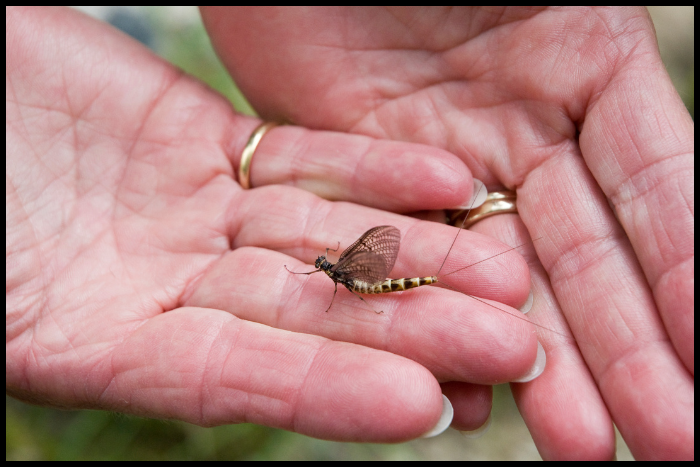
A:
(142, 279)
(573, 108)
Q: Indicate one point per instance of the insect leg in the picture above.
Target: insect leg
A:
(335, 292)
(336, 249)
(351, 291)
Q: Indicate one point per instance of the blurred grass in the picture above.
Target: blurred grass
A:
(188, 47)
(37, 433)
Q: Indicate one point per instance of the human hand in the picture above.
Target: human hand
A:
(142, 279)
(571, 106)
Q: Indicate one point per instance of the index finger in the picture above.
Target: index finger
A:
(391, 175)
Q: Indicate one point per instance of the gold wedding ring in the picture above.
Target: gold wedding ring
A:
(249, 150)
(497, 202)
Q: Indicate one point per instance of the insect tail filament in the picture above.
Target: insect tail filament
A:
(490, 257)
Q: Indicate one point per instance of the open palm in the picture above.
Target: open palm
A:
(142, 279)
(573, 108)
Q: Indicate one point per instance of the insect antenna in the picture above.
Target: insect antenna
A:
(317, 270)
(305, 273)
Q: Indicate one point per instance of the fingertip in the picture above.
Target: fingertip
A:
(527, 306)
(479, 432)
(477, 197)
(378, 397)
(537, 368)
(445, 419)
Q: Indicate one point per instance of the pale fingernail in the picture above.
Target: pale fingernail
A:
(527, 306)
(479, 432)
(479, 194)
(537, 368)
(445, 419)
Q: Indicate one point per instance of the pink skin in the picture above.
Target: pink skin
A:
(130, 209)
(574, 109)
(142, 279)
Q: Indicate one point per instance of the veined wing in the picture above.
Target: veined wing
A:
(382, 241)
(366, 266)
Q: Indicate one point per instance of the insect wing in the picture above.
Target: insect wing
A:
(362, 265)
(382, 241)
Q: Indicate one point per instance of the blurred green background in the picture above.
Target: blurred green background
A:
(36, 433)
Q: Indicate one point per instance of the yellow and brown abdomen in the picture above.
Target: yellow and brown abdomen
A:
(392, 285)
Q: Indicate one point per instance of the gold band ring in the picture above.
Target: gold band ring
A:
(497, 202)
(249, 150)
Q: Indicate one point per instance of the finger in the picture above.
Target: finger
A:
(471, 404)
(209, 368)
(564, 399)
(639, 144)
(303, 226)
(609, 307)
(454, 336)
(394, 176)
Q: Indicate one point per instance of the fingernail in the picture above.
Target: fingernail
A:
(445, 419)
(479, 194)
(537, 368)
(479, 432)
(527, 306)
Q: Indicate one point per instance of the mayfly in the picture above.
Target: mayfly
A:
(364, 265)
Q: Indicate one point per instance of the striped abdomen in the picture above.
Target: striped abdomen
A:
(391, 285)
